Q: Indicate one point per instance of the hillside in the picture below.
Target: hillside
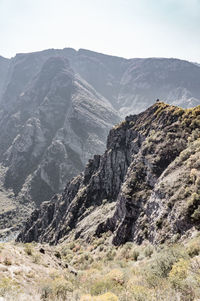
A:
(145, 187)
(99, 271)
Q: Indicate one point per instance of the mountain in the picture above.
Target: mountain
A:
(58, 117)
(48, 133)
(175, 81)
(144, 187)
(130, 85)
(57, 107)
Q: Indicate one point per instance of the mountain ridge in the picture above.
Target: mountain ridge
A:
(135, 189)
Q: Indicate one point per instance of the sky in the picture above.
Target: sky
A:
(126, 28)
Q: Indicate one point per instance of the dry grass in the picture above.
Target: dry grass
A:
(100, 272)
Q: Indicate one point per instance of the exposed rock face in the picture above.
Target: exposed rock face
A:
(59, 123)
(145, 186)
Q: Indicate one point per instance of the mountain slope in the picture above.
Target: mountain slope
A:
(132, 85)
(59, 117)
(144, 187)
(58, 123)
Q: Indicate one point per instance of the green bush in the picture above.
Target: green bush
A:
(8, 286)
(165, 259)
(135, 254)
(101, 286)
(196, 215)
(148, 251)
(58, 288)
(140, 293)
(7, 261)
(193, 249)
(179, 272)
(28, 249)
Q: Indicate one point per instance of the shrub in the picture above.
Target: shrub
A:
(129, 252)
(56, 288)
(46, 291)
(196, 215)
(187, 192)
(100, 286)
(179, 272)
(28, 249)
(193, 249)
(89, 276)
(86, 298)
(197, 182)
(116, 275)
(61, 287)
(159, 223)
(193, 199)
(140, 293)
(57, 254)
(135, 254)
(110, 255)
(193, 174)
(36, 258)
(105, 297)
(193, 210)
(7, 261)
(164, 261)
(7, 286)
(112, 281)
(148, 251)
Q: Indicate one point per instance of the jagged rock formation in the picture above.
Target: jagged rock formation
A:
(146, 186)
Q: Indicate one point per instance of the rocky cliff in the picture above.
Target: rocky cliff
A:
(146, 186)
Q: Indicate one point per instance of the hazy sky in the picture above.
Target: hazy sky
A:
(128, 28)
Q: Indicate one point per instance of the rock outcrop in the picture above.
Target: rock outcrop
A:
(144, 187)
